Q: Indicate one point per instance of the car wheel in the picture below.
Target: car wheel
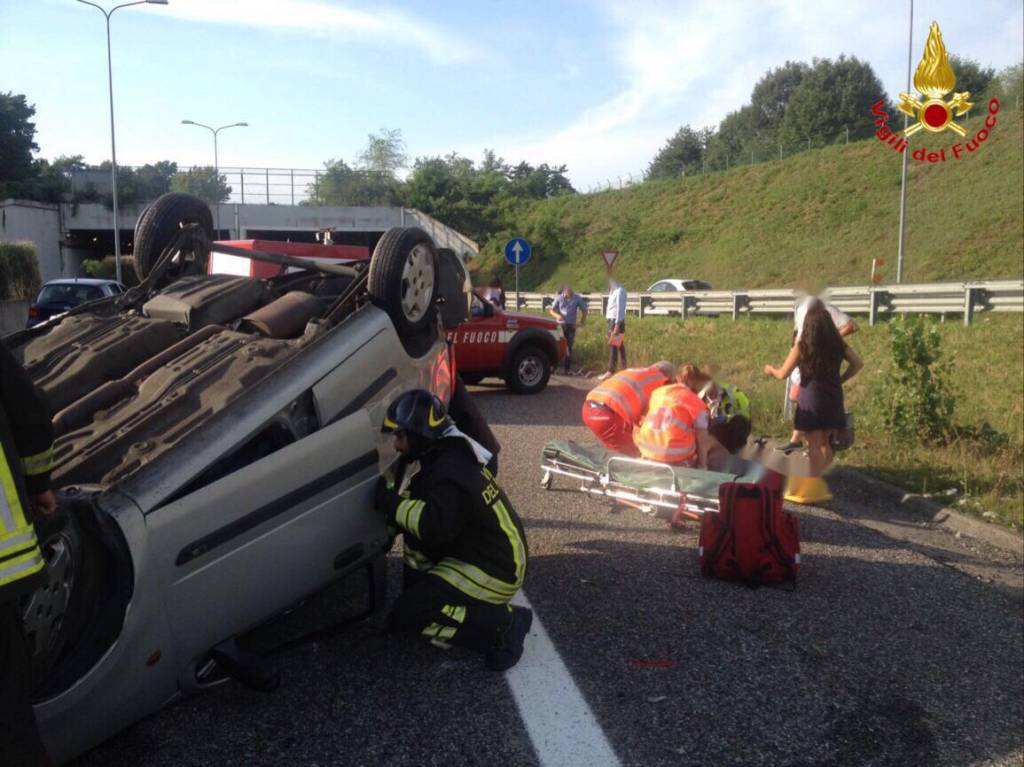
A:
(530, 370)
(403, 281)
(160, 223)
(56, 612)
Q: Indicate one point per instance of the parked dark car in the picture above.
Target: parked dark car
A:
(57, 296)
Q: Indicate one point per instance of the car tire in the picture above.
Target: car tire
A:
(403, 281)
(160, 223)
(56, 613)
(529, 371)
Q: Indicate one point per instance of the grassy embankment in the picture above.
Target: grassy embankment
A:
(820, 215)
(825, 212)
(987, 369)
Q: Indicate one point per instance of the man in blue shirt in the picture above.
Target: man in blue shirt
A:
(565, 308)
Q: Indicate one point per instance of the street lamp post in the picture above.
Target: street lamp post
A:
(216, 161)
(113, 145)
(903, 170)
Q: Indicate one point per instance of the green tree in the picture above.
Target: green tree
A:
(203, 182)
(384, 153)
(1008, 86)
(340, 184)
(728, 146)
(17, 143)
(971, 76)
(683, 154)
(831, 96)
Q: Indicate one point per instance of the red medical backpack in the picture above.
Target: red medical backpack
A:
(751, 539)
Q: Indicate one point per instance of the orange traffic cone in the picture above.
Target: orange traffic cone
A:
(807, 490)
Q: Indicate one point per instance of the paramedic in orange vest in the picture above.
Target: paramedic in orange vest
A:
(675, 429)
(616, 405)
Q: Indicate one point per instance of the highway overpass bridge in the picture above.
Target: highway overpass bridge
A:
(67, 234)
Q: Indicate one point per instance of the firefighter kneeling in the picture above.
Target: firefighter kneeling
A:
(464, 545)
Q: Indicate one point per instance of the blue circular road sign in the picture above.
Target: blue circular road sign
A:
(517, 251)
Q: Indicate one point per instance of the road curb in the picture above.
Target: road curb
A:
(940, 516)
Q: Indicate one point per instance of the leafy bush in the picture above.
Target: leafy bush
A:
(105, 269)
(917, 401)
(19, 270)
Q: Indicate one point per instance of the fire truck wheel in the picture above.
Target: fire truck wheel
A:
(530, 370)
(160, 223)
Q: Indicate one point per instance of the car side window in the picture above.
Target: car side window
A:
(269, 440)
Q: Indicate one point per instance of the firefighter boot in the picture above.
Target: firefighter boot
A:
(509, 647)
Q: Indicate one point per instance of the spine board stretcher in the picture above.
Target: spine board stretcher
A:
(651, 487)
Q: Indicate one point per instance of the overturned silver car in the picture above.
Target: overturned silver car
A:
(217, 446)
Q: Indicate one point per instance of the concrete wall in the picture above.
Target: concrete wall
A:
(13, 316)
(39, 224)
(299, 218)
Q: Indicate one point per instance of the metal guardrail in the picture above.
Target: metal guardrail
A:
(941, 298)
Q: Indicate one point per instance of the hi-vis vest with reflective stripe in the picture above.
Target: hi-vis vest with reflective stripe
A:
(668, 433)
(729, 402)
(628, 393)
(20, 556)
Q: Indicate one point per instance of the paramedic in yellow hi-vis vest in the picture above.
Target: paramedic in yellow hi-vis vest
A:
(27, 438)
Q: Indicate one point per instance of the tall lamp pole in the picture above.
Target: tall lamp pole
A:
(903, 173)
(216, 161)
(113, 145)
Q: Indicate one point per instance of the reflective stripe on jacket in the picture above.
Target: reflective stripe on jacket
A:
(26, 458)
(727, 401)
(668, 432)
(628, 393)
(20, 556)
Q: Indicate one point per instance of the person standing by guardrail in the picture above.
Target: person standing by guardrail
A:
(820, 412)
(565, 309)
(844, 324)
(615, 314)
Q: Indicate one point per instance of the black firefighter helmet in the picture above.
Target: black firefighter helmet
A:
(417, 412)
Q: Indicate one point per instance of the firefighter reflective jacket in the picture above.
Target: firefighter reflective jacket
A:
(459, 525)
(669, 431)
(26, 436)
(725, 401)
(628, 393)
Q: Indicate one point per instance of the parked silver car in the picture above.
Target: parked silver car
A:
(218, 443)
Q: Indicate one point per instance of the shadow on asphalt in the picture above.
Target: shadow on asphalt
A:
(873, 659)
(561, 406)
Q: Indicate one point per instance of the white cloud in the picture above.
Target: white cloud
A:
(339, 22)
(694, 62)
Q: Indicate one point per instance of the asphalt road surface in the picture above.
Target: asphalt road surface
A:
(893, 649)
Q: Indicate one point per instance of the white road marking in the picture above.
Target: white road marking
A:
(558, 720)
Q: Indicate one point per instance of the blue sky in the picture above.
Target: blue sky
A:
(596, 84)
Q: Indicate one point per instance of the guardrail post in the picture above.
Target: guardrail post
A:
(643, 304)
(969, 296)
(736, 298)
(684, 306)
(604, 305)
(873, 310)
